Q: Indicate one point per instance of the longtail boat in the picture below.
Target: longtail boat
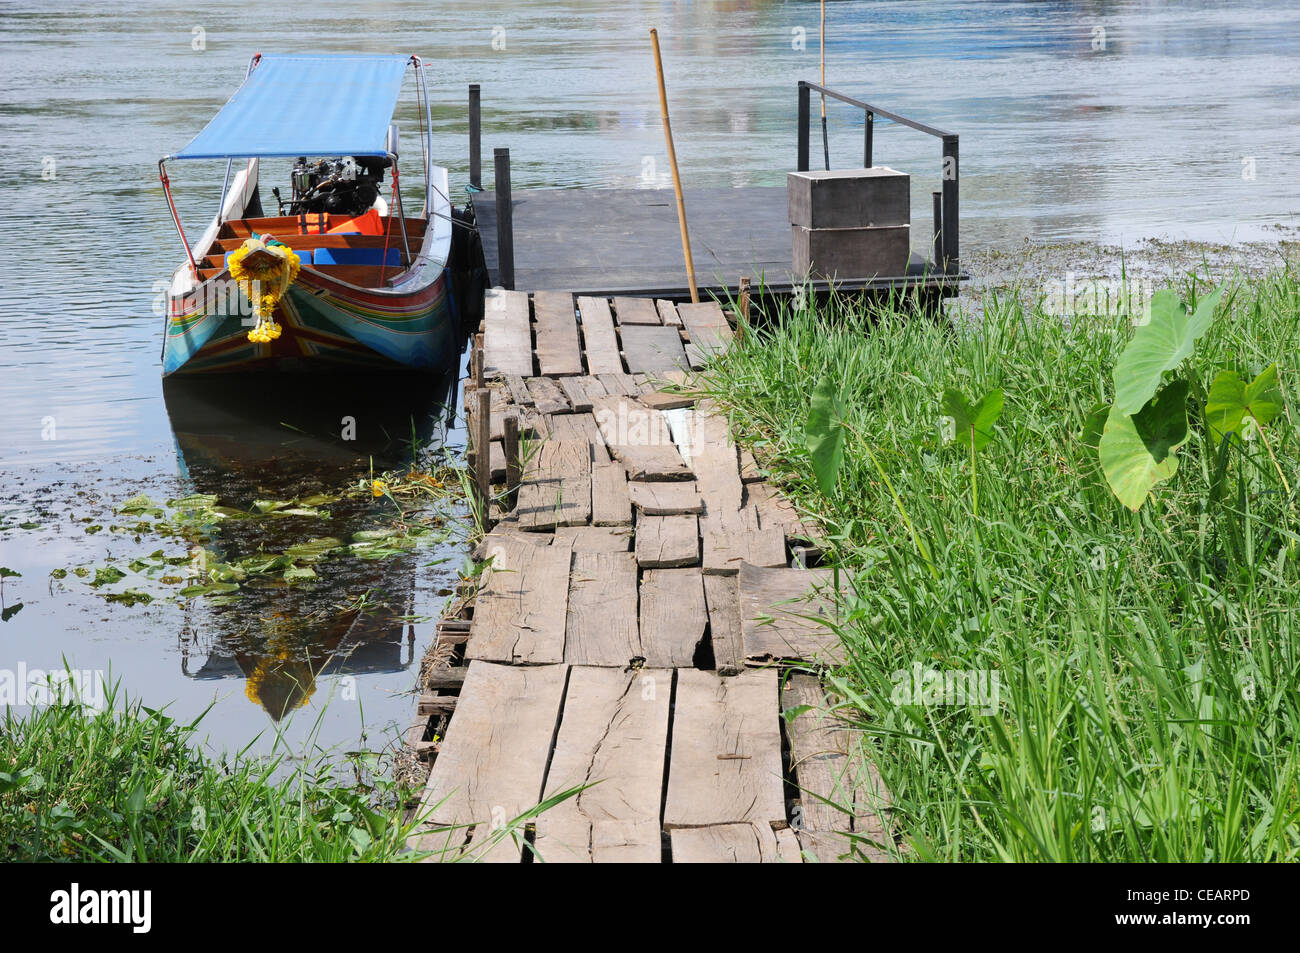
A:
(340, 277)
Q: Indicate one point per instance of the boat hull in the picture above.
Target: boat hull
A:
(327, 325)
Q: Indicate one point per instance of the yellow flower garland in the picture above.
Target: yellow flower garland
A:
(266, 285)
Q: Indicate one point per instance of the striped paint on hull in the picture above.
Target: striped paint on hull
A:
(326, 325)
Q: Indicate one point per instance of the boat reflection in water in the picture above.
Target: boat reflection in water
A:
(276, 437)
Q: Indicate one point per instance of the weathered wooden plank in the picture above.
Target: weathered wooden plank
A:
(826, 766)
(492, 764)
(634, 311)
(735, 844)
(580, 427)
(610, 504)
(724, 624)
(614, 731)
(547, 396)
(653, 349)
(667, 400)
(556, 490)
(706, 325)
(520, 614)
(704, 440)
(595, 539)
(500, 405)
(782, 614)
(749, 469)
(668, 313)
(738, 540)
(602, 616)
(519, 390)
(575, 391)
(497, 462)
(558, 352)
(666, 498)
(775, 510)
(599, 337)
(725, 759)
(667, 541)
(639, 437)
(507, 335)
(673, 616)
(620, 383)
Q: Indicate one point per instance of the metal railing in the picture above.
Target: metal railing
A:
(945, 241)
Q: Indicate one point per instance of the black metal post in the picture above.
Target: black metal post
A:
(936, 243)
(950, 174)
(475, 139)
(868, 136)
(804, 118)
(505, 220)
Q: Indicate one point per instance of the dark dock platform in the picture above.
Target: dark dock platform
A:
(606, 242)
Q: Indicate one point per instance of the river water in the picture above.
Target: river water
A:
(1097, 121)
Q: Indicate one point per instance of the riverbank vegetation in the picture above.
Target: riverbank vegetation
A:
(130, 783)
(1130, 613)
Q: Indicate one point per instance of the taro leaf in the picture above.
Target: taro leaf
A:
(1159, 345)
(129, 597)
(824, 433)
(1137, 452)
(10, 611)
(1232, 399)
(1093, 426)
(7, 573)
(974, 423)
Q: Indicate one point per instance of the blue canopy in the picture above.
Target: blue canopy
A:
(306, 105)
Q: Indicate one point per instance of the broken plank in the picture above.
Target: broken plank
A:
(653, 350)
(673, 616)
(575, 391)
(735, 844)
(667, 541)
(547, 395)
(664, 498)
(725, 752)
(728, 547)
(558, 353)
(707, 326)
(614, 731)
(635, 311)
(668, 313)
(507, 334)
(599, 337)
(492, 764)
(520, 613)
(581, 427)
(828, 767)
(610, 505)
(639, 438)
(783, 614)
(602, 613)
(619, 383)
(724, 624)
(556, 489)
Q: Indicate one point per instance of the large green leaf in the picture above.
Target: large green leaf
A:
(824, 433)
(1163, 342)
(974, 422)
(1138, 451)
(1232, 399)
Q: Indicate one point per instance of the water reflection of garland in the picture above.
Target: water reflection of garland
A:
(283, 639)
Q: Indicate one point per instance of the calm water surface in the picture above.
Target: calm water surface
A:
(1099, 121)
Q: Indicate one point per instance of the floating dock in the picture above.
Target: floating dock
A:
(644, 626)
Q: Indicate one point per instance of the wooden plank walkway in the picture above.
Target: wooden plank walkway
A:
(630, 627)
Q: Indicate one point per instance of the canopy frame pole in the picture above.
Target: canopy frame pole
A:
(167, 191)
(230, 163)
(426, 137)
(397, 192)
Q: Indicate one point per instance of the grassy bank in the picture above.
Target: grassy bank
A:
(1143, 665)
(128, 783)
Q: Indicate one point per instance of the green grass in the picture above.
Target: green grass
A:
(1149, 680)
(130, 784)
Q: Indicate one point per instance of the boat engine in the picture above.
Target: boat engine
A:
(342, 186)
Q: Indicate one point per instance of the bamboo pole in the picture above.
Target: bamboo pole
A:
(826, 142)
(672, 162)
